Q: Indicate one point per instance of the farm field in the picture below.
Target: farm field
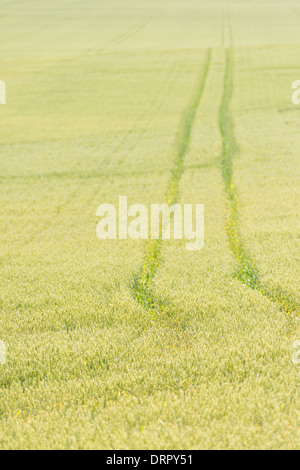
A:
(122, 344)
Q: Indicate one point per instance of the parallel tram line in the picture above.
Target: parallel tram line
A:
(143, 283)
(247, 271)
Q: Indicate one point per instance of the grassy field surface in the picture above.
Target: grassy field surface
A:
(130, 344)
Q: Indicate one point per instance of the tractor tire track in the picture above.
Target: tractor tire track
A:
(143, 284)
(247, 271)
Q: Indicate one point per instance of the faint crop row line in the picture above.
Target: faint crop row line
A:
(247, 271)
(153, 103)
(142, 286)
(157, 104)
(123, 37)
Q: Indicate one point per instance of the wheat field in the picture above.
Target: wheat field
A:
(122, 344)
